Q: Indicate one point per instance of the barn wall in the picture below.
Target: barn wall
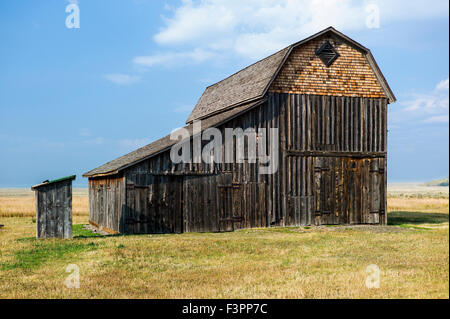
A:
(328, 145)
(216, 197)
(107, 202)
(349, 75)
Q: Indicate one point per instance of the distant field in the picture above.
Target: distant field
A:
(418, 190)
(20, 202)
(295, 262)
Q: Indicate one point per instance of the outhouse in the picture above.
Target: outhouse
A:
(54, 208)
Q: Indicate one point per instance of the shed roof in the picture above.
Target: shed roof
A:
(163, 144)
(47, 182)
(253, 81)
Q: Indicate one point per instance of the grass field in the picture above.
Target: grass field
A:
(412, 254)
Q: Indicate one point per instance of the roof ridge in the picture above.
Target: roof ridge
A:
(250, 65)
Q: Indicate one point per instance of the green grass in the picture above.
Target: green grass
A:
(78, 231)
(414, 227)
(403, 218)
(43, 251)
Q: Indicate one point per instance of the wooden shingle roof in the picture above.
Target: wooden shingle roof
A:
(163, 144)
(246, 85)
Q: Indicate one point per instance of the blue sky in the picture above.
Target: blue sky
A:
(73, 99)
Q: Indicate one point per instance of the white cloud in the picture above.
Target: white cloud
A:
(256, 28)
(174, 58)
(431, 107)
(437, 119)
(122, 79)
(443, 85)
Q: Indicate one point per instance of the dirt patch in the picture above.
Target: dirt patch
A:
(369, 228)
(95, 230)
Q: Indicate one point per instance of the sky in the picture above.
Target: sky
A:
(72, 99)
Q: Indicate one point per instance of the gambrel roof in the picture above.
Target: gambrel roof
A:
(253, 81)
(232, 96)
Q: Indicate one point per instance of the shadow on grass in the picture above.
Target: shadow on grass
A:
(79, 231)
(404, 217)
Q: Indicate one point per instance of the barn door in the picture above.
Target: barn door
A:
(355, 190)
(375, 212)
(229, 202)
(154, 204)
(169, 197)
(349, 190)
(366, 203)
(136, 219)
(330, 194)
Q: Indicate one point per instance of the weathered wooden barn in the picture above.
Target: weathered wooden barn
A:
(327, 97)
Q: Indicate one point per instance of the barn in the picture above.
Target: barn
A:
(325, 100)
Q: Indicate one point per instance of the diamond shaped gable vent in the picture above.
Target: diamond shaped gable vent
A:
(327, 53)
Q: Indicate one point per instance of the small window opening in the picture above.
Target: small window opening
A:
(327, 53)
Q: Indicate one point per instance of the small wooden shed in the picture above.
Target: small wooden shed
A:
(328, 100)
(54, 208)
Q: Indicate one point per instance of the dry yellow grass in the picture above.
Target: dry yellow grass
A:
(21, 203)
(325, 262)
(437, 205)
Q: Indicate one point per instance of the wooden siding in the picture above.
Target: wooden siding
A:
(153, 204)
(107, 203)
(349, 190)
(54, 210)
(321, 139)
(215, 197)
(350, 75)
(328, 134)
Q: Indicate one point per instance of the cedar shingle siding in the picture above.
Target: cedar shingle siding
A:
(350, 75)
